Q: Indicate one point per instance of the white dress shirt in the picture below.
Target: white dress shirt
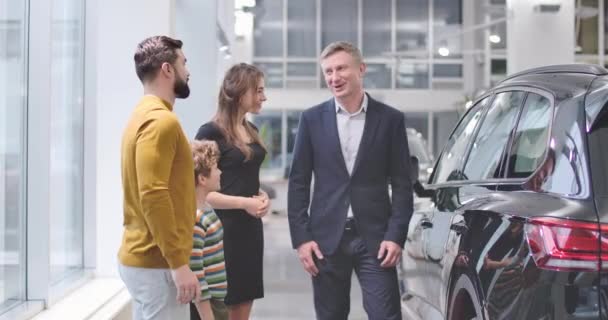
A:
(350, 131)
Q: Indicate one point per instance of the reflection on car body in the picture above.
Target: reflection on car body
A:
(517, 225)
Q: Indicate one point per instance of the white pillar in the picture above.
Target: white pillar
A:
(538, 36)
(120, 26)
(196, 26)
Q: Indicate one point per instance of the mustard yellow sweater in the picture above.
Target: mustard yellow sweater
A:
(158, 184)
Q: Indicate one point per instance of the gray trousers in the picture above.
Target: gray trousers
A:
(153, 294)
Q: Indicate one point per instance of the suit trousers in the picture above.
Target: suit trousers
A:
(331, 286)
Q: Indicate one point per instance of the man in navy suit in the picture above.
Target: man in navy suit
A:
(355, 147)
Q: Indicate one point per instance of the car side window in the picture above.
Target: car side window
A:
(490, 144)
(450, 161)
(531, 137)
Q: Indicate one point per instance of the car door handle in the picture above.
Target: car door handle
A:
(426, 224)
(459, 227)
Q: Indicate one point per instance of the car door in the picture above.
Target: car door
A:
(469, 188)
(421, 247)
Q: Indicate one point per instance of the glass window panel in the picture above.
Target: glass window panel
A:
(302, 29)
(447, 28)
(448, 166)
(273, 73)
(339, 21)
(447, 70)
(418, 121)
(269, 127)
(12, 157)
(417, 128)
(490, 144)
(412, 75)
(586, 27)
(418, 148)
(67, 146)
(443, 124)
(302, 69)
(499, 66)
(531, 138)
(268, 30)
(377, 76)
(293, 120)
(376, 27)
(413, 26)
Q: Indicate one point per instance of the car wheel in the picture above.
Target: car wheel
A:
(464, 304)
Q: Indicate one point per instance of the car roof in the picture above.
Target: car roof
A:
(563, 81)
(578, 68)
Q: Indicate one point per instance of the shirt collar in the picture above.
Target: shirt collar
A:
(363, 107)
(156, 99)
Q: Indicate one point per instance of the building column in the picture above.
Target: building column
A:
(196, 25)
(539, 33)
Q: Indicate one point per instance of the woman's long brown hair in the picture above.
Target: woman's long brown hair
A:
(238, 80)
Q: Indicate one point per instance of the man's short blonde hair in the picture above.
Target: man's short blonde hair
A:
(342, 46)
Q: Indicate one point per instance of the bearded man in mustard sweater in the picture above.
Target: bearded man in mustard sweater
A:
(159, 193)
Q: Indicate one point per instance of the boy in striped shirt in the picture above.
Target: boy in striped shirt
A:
(207, 258)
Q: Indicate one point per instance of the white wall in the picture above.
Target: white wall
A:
(119, 30)
(118, 27)
(226, 19)
(537, 39)
(196, 26)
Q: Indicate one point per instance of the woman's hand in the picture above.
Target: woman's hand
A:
(255, 206)
(263, 196)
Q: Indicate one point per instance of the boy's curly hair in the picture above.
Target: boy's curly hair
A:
(205, 154)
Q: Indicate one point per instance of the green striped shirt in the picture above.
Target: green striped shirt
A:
(207, 257)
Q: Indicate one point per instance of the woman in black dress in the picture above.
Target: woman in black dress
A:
(240, 203)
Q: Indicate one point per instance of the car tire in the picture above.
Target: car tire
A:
(464, 304)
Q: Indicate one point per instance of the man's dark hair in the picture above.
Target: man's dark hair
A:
(152, 53)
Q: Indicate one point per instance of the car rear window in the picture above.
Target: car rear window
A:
(531, 138)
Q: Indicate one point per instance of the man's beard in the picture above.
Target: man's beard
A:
(181, 89)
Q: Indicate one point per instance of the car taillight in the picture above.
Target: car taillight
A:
(567, 245)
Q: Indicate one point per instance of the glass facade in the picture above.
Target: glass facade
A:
(395, 37)
(64, 91)
(67, 133)
(13, 111)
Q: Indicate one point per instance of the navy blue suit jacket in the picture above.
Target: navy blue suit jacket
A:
(383, 159)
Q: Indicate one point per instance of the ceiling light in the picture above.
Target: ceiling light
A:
(443, 51)
(494, 38)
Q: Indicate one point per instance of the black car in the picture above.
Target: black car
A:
(517, 226)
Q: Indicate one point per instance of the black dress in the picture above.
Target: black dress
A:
(243, 234)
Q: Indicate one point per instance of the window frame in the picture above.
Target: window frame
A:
(504, 169)
(508, 142)
(502, 172)
(484, 110)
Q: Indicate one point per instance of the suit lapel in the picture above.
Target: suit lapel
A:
(372, 119)
(330, 124)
